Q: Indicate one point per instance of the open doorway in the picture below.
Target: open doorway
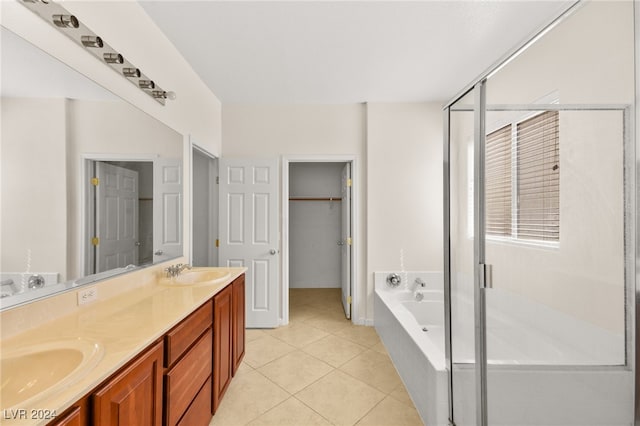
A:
(204, 208)
(318, 225)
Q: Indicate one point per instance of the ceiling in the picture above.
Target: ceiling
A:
(333, 52)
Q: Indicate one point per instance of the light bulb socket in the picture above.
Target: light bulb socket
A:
(91, 41)
(131, 72)
(159, 94)
(146, 84)
(65, 21)
(113, 58)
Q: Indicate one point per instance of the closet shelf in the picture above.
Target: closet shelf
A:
(315, 198)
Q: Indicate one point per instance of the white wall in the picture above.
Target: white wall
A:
(314, 226)
(404, 180)
(33, 192)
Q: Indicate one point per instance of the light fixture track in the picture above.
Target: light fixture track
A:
(60, 19)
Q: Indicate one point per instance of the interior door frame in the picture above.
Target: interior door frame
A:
(86, 206)
(355, 237)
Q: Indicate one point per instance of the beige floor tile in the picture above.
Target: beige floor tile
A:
(290, 413)
(400, 393)
(264, 350)
(300, 313)
(340, 398)
(334, 350)
(391, 412)
(360, 334)
(330, 322)
(248, 396)
(298, 334)
(379, 347)
(295, 371)
(375, 369)
(253, 334)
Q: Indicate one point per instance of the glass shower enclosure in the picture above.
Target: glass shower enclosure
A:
(540, 230)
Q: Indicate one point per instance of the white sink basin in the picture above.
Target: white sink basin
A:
(33, 372)
(199, 277)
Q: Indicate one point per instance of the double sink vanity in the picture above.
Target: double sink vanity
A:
(161, 353)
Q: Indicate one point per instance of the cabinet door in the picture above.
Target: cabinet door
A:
(74, 416)
(133, 396)
(238, 322)
(222, 350)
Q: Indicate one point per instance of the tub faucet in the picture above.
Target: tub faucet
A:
(418, 282)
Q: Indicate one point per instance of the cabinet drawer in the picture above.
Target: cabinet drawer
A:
(178, 340)
(185, 379)
(199, 412)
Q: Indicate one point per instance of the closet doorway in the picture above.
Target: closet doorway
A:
(318, 243)
(204, 208)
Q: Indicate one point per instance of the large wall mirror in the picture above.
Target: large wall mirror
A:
(91, 186)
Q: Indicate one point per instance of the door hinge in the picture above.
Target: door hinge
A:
(348, 300)
(217, 243)
(95, 241)
(217, 180)
(349, 182)
(95, 181)
(349, 241)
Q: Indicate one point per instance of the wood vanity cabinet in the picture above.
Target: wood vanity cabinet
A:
(180, 379)
(229, 336)
(238, 314)
(188, 359)
(222, 347)
(77, 415)
(134, 395)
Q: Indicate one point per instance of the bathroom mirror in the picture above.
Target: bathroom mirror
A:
(91, 186)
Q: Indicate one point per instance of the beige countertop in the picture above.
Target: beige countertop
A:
(122, 326)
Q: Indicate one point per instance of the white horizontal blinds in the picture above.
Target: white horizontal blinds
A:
(498, 182)
(538, 178)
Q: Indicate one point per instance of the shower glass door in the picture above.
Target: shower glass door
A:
(556, 182)
(539, 230)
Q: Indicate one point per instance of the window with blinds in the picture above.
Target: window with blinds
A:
(527, 151)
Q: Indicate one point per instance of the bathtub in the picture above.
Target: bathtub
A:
(574, 372)
(413, 333)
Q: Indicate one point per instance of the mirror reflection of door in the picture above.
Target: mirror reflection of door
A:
(122, 225)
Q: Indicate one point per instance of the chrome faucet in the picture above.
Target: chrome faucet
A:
(419, 282)
(174, 270)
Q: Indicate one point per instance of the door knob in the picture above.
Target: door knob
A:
(273, 251)
(159, 253)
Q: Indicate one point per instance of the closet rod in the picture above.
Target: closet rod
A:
(315, 199)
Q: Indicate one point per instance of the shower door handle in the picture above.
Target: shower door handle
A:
(485, 273)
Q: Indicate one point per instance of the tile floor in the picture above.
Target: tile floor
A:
(319, 370)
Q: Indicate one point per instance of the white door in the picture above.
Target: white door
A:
(167, 209)
(345, 240)
(249, 233)
(116, 217)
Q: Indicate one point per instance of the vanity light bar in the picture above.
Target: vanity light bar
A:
(68, 24)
